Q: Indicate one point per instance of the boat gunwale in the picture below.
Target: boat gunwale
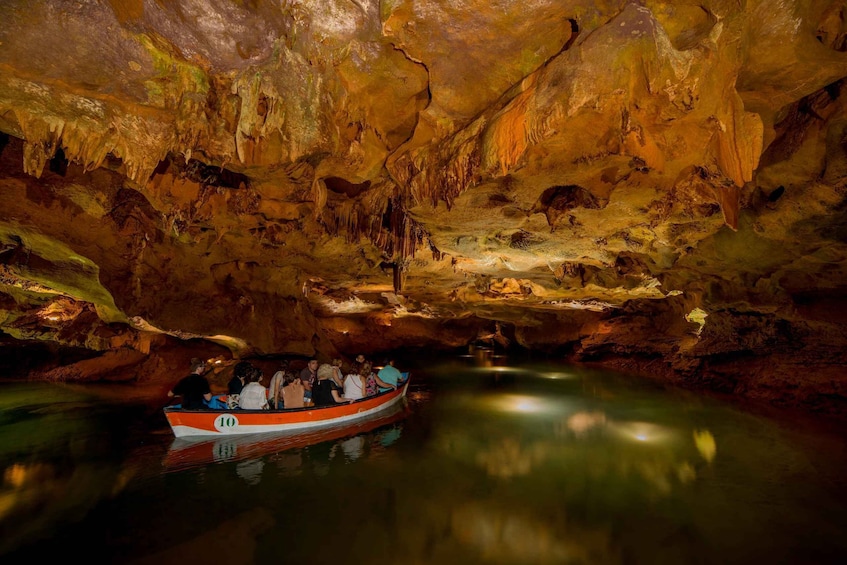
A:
(205, 421)
(364, 399)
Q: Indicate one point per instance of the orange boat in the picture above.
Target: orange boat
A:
(195, 451)
(194, 423)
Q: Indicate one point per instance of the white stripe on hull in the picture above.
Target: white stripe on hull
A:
(189, 431)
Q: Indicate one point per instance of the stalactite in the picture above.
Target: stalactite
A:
(86, 147)
(397, 278)
(738, 142)
(140, 142)
(42, 136)
(318, 194)
(507, 138)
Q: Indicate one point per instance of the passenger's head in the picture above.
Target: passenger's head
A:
(336, 362)
(324, 372)
(242, 370)
(365, 369)
(313, 364)
(360, 358)
(255, 374)
(197, 365)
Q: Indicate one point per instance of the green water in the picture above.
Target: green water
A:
(533, 463)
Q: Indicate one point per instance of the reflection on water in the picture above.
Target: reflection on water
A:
(487, 463)
(234, 541)
(250, 451)
(200, 451)
(524, 435)
(250, 471)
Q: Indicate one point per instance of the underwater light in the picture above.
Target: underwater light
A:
(643, 432)
(555, 375)
(517, 403)
(496, 369)
(524, 404)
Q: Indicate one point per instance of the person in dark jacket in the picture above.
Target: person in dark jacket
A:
(325, 392)
(239, 378)
(194, 389)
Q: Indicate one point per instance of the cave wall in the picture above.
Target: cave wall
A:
(655, 186)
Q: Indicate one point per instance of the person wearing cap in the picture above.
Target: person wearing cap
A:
(194, 389)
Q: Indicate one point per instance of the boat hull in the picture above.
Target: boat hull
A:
(195, 423)
(196, 451)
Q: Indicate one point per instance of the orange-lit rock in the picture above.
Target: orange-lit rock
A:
(296, 179)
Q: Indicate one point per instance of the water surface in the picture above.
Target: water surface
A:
(487, 463)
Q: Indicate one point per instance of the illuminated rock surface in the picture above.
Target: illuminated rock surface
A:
(656, 186)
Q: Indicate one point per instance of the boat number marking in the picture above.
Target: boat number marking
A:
(226, 422)
(224, 450)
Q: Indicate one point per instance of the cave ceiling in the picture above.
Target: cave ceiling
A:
(288, 177)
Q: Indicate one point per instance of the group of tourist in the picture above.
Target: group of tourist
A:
(315, 385)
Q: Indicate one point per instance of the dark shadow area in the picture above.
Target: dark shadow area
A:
(4, 141)
(59, 163)
(343, 186)
(203, 174)
(558, 200)
(20, 357)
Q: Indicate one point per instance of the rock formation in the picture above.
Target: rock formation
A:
(657, 186)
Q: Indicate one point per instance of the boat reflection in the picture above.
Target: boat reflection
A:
(186, 453)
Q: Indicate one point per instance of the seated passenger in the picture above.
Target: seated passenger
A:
(371, 386)
(237, 382)
(293, 392)
(388, 377)
(253, 396)
(275, 387)
(309, 376)
(357, 363)
(337, 374)
(326, 392)
(356, 384)
(194, 388)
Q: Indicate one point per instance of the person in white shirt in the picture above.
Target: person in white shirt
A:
(355, 384)
(254, 396)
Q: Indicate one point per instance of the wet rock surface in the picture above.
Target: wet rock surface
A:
(651, 186)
